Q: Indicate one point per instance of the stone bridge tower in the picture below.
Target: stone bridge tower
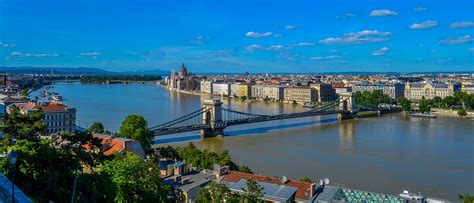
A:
(347, 106)
(213, 119)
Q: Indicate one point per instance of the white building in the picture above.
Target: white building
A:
(57, 116)
(222, 89)
(206, 86)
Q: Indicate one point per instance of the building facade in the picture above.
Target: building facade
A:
(240, 90)
(468, 89)
(57, 116)
(183, 80)
(272, 92)
(416, 91)
(222, 89)
(394, 91)
(325, 92)
(300, 94)
(206, 86)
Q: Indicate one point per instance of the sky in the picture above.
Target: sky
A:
(261, 36)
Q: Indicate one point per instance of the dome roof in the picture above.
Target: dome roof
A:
(183, 70)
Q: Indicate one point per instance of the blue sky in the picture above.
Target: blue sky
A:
(239, 36)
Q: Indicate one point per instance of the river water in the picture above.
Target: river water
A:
(383, 154)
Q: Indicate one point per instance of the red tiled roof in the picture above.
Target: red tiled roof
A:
(338, 85)
(52, 106)
(109, 145)
(303, 189)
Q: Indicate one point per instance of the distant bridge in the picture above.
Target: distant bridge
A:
(212, 118)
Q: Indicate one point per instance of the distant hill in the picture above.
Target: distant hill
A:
(76, 70)
(56, 70)
(146, 72)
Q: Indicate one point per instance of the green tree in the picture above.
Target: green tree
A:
(23, 126)
(253, 191)
(450, 101)
(424, 106)
(135, 180)
(96, 127)
(44, 171)
(245, 169)
(136, 127)
(466, 198)
(405, 103)
(305, 179)
(437, 101)
(462, 112)
(215, 192)
(25, 92)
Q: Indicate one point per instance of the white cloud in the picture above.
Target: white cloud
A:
(419, 9)
(381, 51)
(2, 44)
(457, 40)
(256, 47)
(333, 51)
(290, 27)
(465, 24)
(362, 37)
(383, 12)
(303, 44)
(258, 34)
(323, 58)
(19, 54)
(199, 40)
(93, 54)
(346, 15)
(424, 25)
(471, 49)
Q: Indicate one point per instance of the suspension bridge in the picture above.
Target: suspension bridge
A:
(212, 118)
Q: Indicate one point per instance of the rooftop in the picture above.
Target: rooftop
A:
(303, 188)
(272, 192)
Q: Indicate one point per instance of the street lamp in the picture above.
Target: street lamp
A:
(12, 158)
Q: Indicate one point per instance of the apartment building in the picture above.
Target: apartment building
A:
(300, 94)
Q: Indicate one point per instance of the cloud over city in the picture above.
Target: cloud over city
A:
(362, 37)
(383, 12)
(258, 34)
(424, 25)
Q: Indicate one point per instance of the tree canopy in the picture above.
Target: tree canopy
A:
(135, 180)
(23, 126)
(136, 127)
(96, 127)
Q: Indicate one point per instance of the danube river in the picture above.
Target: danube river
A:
(383, 154)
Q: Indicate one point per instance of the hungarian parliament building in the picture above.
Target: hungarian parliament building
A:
(183, 80)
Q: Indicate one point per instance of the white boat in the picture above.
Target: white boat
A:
(57, 98)
(423, 115)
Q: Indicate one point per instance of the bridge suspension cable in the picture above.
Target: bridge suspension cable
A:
(182, 119)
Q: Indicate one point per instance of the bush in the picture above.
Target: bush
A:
(462, 112)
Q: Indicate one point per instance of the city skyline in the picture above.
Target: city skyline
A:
(212, 36)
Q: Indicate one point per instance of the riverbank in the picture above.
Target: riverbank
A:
(451, 113)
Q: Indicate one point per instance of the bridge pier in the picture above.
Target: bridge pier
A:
(344, 115)
(212, 118)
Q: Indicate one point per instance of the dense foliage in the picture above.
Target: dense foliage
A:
(47, 169)
(201, 159)
(103, 79)
(23, 126)
(96, 127)
(459, 100)
(216, 192)
(372, 99)
(405, 104)
(136, 127)
(424, 106)
(131, 176)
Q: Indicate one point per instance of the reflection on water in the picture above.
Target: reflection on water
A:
(346, 134)
(382, 154)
